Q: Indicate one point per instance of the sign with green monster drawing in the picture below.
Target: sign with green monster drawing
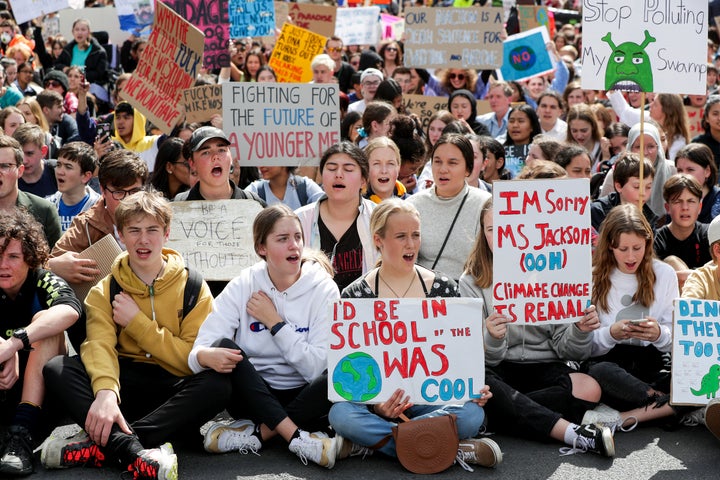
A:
(645, 46)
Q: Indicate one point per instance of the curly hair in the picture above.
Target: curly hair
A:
(471, 77)
(20, 225)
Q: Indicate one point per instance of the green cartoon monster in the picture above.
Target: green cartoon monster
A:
(629, 66)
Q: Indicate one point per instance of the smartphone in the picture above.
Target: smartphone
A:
(103, 129)
(638, 321)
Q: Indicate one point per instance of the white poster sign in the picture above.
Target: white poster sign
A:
(26, 10)
(358, 26)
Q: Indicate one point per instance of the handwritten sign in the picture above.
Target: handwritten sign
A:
(293, 54)
(635, 46)
(431, 348)
(170, 63)
(525, 55)
(541, 265)
(215, 237)
(281, 124)
(201, 103)
(135, 16)
(453, 37)
(695, 352)
(695, 116)
(251, 18)
(105, 16)
(424, 106)
(316, 18)
(357, 26)
(515, 158)
(212, 18)
(26, 10)
(392, 26)
(532, 16)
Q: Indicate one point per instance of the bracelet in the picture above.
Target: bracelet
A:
(276, 328)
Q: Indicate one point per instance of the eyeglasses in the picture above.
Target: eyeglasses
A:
(459, 76)
(334, 49)
(121, 194)
(7, 167)
(52, 83)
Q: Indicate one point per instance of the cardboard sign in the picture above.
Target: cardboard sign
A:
(214, 237)
(170, 63)
(293, 53)
(695, 352)
(431, 348)
(211, 17)
(316, 18)
(357, 26)
(695, 116)
(424, 106)
(525, 55)
(648, 46)
(532, 16)
(201, 103)
(251, 18)
(281, 124)
(26, 10)
(136, 16)
(453, 37)
(541, 257)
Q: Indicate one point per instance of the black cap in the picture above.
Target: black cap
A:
(203, 134)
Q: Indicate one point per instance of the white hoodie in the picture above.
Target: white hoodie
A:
(297, 354)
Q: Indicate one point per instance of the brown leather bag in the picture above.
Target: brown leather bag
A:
(427, 445)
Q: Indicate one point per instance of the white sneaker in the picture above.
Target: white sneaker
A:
(237, 436)
(323, 451)
(604, 416)
(156, 464)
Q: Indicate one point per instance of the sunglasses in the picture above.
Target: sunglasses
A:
(459, 76)
(334, 49)
(391, 49)
(52, 83)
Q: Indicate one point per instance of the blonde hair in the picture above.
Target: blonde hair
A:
(625, 218)
(144, 203)
(36, 111)
(382, 213)
(382, 142)
(479, 263)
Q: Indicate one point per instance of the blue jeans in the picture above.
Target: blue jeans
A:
(361, 426)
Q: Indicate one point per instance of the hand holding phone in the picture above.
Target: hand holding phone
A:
(103, 129)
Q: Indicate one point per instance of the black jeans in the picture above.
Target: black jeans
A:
(159, 406)
(252, 398)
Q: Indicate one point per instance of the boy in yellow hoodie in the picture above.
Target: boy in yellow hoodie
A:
(130, 133)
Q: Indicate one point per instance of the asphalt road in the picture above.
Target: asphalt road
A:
(645, 453)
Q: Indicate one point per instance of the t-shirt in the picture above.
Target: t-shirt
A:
(68, 212)
(345, 254)
(694, 250)
(45, 186)
(80, 56)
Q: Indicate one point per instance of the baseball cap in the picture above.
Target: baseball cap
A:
(714, 230)
(369, 72)
(203, 134)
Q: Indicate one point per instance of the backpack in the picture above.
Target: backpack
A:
(190, 294)
(300, 188)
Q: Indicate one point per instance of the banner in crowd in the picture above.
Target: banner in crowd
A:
(212, 18)
(319, 19)
(280, 124)
(695, 352)
(102, 18)
(251, 18)
(26, 10)
(525, 55)
(214, 237)
(170, 64)
(541, 257)
(201, 103)
(431, 348)
(649, 46)
(293, 54)
(453, 37)
(357, 26)
(136, 16)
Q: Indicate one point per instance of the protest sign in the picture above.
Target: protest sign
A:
(525, 55)
(695, 352)
(357, 26)
(170, 63)
(453, 37)
(515, 158)
(214, 237)
(293, 54)
(102, 18)
(201, 103)
(634, 46)
(26, 10)
(541, 255)
(431, 348)
(251, 18)
(695, 116)
(136, 16)
(212, 18)
(392, 26)
(280, 124)
(532, 16)
(424, 106)
(319, 19)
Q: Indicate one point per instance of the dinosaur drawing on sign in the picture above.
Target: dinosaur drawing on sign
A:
(710, 383)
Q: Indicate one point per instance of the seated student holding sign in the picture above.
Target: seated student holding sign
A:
(536, 394)
(633, 293)
(268, 332)
(395, 226)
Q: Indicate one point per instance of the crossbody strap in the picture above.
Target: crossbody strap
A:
(447, 236)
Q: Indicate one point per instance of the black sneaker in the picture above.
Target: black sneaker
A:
(593, 438)
(17, 456)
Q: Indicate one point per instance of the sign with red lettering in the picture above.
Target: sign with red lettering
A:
(316, 18)
(293, 53)
(542, 271)
(212, 18)
(281, 124)
(430, 347)
(169, 64)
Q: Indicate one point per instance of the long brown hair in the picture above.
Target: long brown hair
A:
(480, 261)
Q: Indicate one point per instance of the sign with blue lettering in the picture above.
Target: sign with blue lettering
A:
(525, 55)
(695, 352)
(430, 347)
(251, 18)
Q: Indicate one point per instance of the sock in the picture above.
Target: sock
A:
(295, 435)
(258, 433)
(570, 434)
(27, 415)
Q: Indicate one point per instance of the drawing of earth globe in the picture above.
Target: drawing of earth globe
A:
(356, 377)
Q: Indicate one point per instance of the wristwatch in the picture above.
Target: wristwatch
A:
(22, 335)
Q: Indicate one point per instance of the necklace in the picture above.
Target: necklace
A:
(393, 291)
(151, 285)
